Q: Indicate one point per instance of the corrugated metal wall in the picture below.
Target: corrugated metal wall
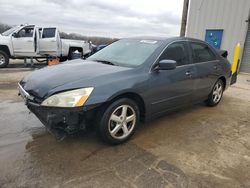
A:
(245, 63)
(229, 15)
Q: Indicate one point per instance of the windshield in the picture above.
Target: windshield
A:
(10, 31)
(126, 52)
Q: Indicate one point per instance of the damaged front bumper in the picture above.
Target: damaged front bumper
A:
(60, 121)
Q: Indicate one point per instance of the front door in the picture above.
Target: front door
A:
(170, 89)
(24, 42)
(49, 41)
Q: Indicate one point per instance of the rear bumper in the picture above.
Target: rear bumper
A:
(228, 81)
(228, 78)
(63, 120)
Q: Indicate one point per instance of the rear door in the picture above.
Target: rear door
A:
(170, 89)
(49, 41)
(207, 67)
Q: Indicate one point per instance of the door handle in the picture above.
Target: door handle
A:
(188, 73)
(29, 40)
(52, 40)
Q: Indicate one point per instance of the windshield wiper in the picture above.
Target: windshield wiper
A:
(105, 62)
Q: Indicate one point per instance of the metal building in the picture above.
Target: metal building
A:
(222, 23)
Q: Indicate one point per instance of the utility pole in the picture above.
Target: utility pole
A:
(184, 18)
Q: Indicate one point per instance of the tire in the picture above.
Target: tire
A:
(71, 54)
(62, 59)
(216, 94)
(4, 59)
(113, 127)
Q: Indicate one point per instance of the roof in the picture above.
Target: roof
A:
(167, 39)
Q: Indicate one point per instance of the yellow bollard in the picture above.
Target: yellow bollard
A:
(234, 67)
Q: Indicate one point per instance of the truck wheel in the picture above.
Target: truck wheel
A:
(118, 122)
(73, 55)
(62, 59)
(4, 59)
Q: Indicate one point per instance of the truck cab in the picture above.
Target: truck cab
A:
(33, 41)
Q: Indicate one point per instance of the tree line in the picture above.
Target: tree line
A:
(75, 36)
(4, 27)
(95, 40)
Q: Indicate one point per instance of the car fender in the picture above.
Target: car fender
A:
(5, 49)
(106, 88)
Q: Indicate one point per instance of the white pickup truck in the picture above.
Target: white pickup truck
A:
(31, 41)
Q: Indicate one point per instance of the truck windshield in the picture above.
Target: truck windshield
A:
(126, 52)
(10, 31)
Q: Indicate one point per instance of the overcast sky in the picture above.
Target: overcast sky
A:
(109, 18)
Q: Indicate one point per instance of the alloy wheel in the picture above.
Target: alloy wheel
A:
(122, 122)
(217, 92)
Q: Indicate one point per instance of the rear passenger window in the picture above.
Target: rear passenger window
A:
(178, 52)
(49, 33)
(202, 53)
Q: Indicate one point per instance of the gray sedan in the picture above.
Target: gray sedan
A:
(129, 81)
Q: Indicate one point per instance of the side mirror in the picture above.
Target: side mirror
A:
(15, 35)
(166, 64)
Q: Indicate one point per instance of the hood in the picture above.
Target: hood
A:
(4, 40)
(39, 83)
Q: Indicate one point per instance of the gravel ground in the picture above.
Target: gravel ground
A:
(194, 147)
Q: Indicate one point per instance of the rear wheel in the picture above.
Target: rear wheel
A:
(4, 59)
(62, 59)
(119, 121)
(216, 94)
(74, 55)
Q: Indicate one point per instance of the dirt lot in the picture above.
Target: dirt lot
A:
(195, 147)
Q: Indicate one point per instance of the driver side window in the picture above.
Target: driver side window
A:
(26, 32)
(178, 52)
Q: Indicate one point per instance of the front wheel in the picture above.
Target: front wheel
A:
(4, 59)
(216, 94)
(119, 121)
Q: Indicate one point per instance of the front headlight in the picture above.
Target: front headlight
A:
(73, 98)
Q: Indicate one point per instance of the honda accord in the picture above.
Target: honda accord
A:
(128, 82)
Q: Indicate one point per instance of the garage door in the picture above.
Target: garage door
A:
(245, 64)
